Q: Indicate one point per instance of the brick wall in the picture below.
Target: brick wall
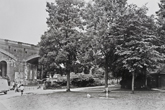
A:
(16, 55)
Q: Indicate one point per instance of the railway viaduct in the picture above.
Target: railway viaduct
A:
(19, 61)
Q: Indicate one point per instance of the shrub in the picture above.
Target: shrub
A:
(100, 76)
(79, 80)
(98, 82)
(62, 81)
(47, 84)
(82, 80)
(50, 85)
(98, 73)
(55, 85)
(33, 83)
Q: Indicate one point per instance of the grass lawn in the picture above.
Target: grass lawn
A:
(118, 100)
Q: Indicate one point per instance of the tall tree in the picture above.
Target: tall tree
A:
(161, 26)
(100, 16)
(59, 45)
(137, 51)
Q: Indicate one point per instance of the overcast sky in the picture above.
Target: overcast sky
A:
(25, 20)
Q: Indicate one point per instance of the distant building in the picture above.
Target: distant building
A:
(19, 61)
(157, 79)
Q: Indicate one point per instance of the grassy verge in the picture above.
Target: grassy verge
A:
(141, 100)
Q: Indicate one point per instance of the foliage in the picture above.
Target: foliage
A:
(100, 16)
(79, 80)
(62, 81)
(109, 34)
(98, 75)
(82, 80)
(161, 27)
(61, 42)
(136, 48)
(136, 31)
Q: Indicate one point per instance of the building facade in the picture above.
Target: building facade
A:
(19, 61)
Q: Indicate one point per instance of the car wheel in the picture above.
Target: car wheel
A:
(5, 92)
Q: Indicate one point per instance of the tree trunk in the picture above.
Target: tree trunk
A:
(68, 82)
(106, 76)
(42, 70)
(133, 80)
(146, 82)
(145, 71)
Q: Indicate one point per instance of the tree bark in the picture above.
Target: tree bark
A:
(146, 81)
(133, 80)
(106, 76)
(42, 71)
(145, 70)
(68, 82)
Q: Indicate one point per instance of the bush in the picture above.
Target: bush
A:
(51, 85)
(98, 82)
(62, 81)
(98, 73)
(47, 84)
(82, 80)
(33, 83)
(100, 76)
(79, 80)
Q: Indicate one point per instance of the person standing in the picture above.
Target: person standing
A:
(22, 89)
(16, 87)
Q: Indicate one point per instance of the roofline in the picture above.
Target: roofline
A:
(7, 40)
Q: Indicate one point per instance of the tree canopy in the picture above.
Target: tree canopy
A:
(108, 33)
(60, 44)
(100, 16)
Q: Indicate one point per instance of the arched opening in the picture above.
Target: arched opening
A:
(32, 71)
(3, 68)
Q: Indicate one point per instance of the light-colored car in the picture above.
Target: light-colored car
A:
(4, 87)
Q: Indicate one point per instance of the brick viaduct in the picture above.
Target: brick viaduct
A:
(19, 61)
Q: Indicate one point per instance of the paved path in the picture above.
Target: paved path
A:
(160, 90)
(34, 90)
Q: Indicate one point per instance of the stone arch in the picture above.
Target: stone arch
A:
(31, 57)
(3, 68)
(31, 67)
(8, 54)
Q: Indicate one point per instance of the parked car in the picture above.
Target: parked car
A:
(4, 87)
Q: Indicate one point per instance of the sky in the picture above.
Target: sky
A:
(25, 20)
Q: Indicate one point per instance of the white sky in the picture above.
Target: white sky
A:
(25, 20)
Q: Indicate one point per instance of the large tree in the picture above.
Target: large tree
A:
(100, 16)
(161, 26)
(137, 51)
(61, 42)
